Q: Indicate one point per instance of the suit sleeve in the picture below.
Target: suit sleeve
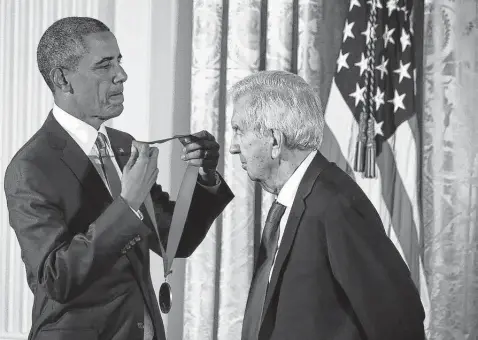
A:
(206, 205)
(59, 262)
(372, 273)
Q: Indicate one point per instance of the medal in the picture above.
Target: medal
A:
(165, 298)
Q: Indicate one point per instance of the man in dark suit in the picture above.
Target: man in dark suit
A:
(325, 267)
(86, 210)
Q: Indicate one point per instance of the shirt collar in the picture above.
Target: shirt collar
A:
(82, 133)
(287, 193)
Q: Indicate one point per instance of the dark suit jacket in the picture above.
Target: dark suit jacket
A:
(337, 275)
(86, 255)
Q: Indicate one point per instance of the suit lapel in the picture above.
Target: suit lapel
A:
(318, 164)
(79, 163)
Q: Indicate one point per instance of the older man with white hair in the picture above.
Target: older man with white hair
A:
(325, 268)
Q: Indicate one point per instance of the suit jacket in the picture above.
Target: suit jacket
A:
(87, 255)
(337, 275)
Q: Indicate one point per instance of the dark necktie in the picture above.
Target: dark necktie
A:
(260, 281)
(109, 170)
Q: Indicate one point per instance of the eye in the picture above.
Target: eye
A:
(105, 66)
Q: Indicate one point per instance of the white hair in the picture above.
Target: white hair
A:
(282, 101)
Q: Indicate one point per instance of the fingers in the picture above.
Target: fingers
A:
(132, 157)
(153, 154)
(204, 135)
(154, 177)
(197, 137)
(206, 164)
(203, 144)
(143, 149)
(201, 154)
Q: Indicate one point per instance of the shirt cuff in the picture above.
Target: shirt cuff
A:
(137, 213)
(213, 188)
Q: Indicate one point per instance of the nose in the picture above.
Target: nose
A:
(121, 76)
(234, 149)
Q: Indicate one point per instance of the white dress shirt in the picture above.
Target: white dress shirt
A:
(287, 194)
(85, 136)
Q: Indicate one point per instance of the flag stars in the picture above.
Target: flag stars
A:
(397, 101)
(402, 72)
(377, 126)
(383, 67)
(379, 99)
(387, 36)
(348, 31)
(354, 3)
(392, 5)
(363, 64)
(405, 40)
(342, 61)
(358, 94)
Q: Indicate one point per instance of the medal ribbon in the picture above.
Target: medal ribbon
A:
(181, 209)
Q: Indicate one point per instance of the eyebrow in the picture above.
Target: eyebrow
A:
(107, 59)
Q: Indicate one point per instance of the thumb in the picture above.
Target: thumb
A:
(132, 158)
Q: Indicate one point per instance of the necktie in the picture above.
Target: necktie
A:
(260, 281)
(109, 170)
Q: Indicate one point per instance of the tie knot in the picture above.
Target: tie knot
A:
(101, 143)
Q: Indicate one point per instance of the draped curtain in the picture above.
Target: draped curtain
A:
(232, 39)
(450, 167)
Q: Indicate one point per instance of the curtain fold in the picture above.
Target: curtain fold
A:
(450, 167)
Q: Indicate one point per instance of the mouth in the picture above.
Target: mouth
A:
(118, 96)
(244, 165)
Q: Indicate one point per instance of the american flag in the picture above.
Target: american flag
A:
(375, 77)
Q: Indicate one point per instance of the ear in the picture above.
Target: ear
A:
(59, 80)
(278, 140)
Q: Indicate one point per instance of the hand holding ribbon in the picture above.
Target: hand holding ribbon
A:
(202, 150)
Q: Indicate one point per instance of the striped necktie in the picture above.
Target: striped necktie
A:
(107, 166)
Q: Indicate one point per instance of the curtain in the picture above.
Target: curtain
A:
(232, 39)
(450, 167)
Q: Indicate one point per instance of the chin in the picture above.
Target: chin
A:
(115, 111)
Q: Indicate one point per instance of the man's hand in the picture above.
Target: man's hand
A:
(202, 150)
(139, 174)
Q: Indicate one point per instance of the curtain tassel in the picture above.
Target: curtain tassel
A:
(359, 161)
(371, 150)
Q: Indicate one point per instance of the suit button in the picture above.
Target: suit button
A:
(137, 238)
(140, 325)
(128, 247)
(132, 242)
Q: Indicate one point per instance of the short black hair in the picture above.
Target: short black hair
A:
(62, 44)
